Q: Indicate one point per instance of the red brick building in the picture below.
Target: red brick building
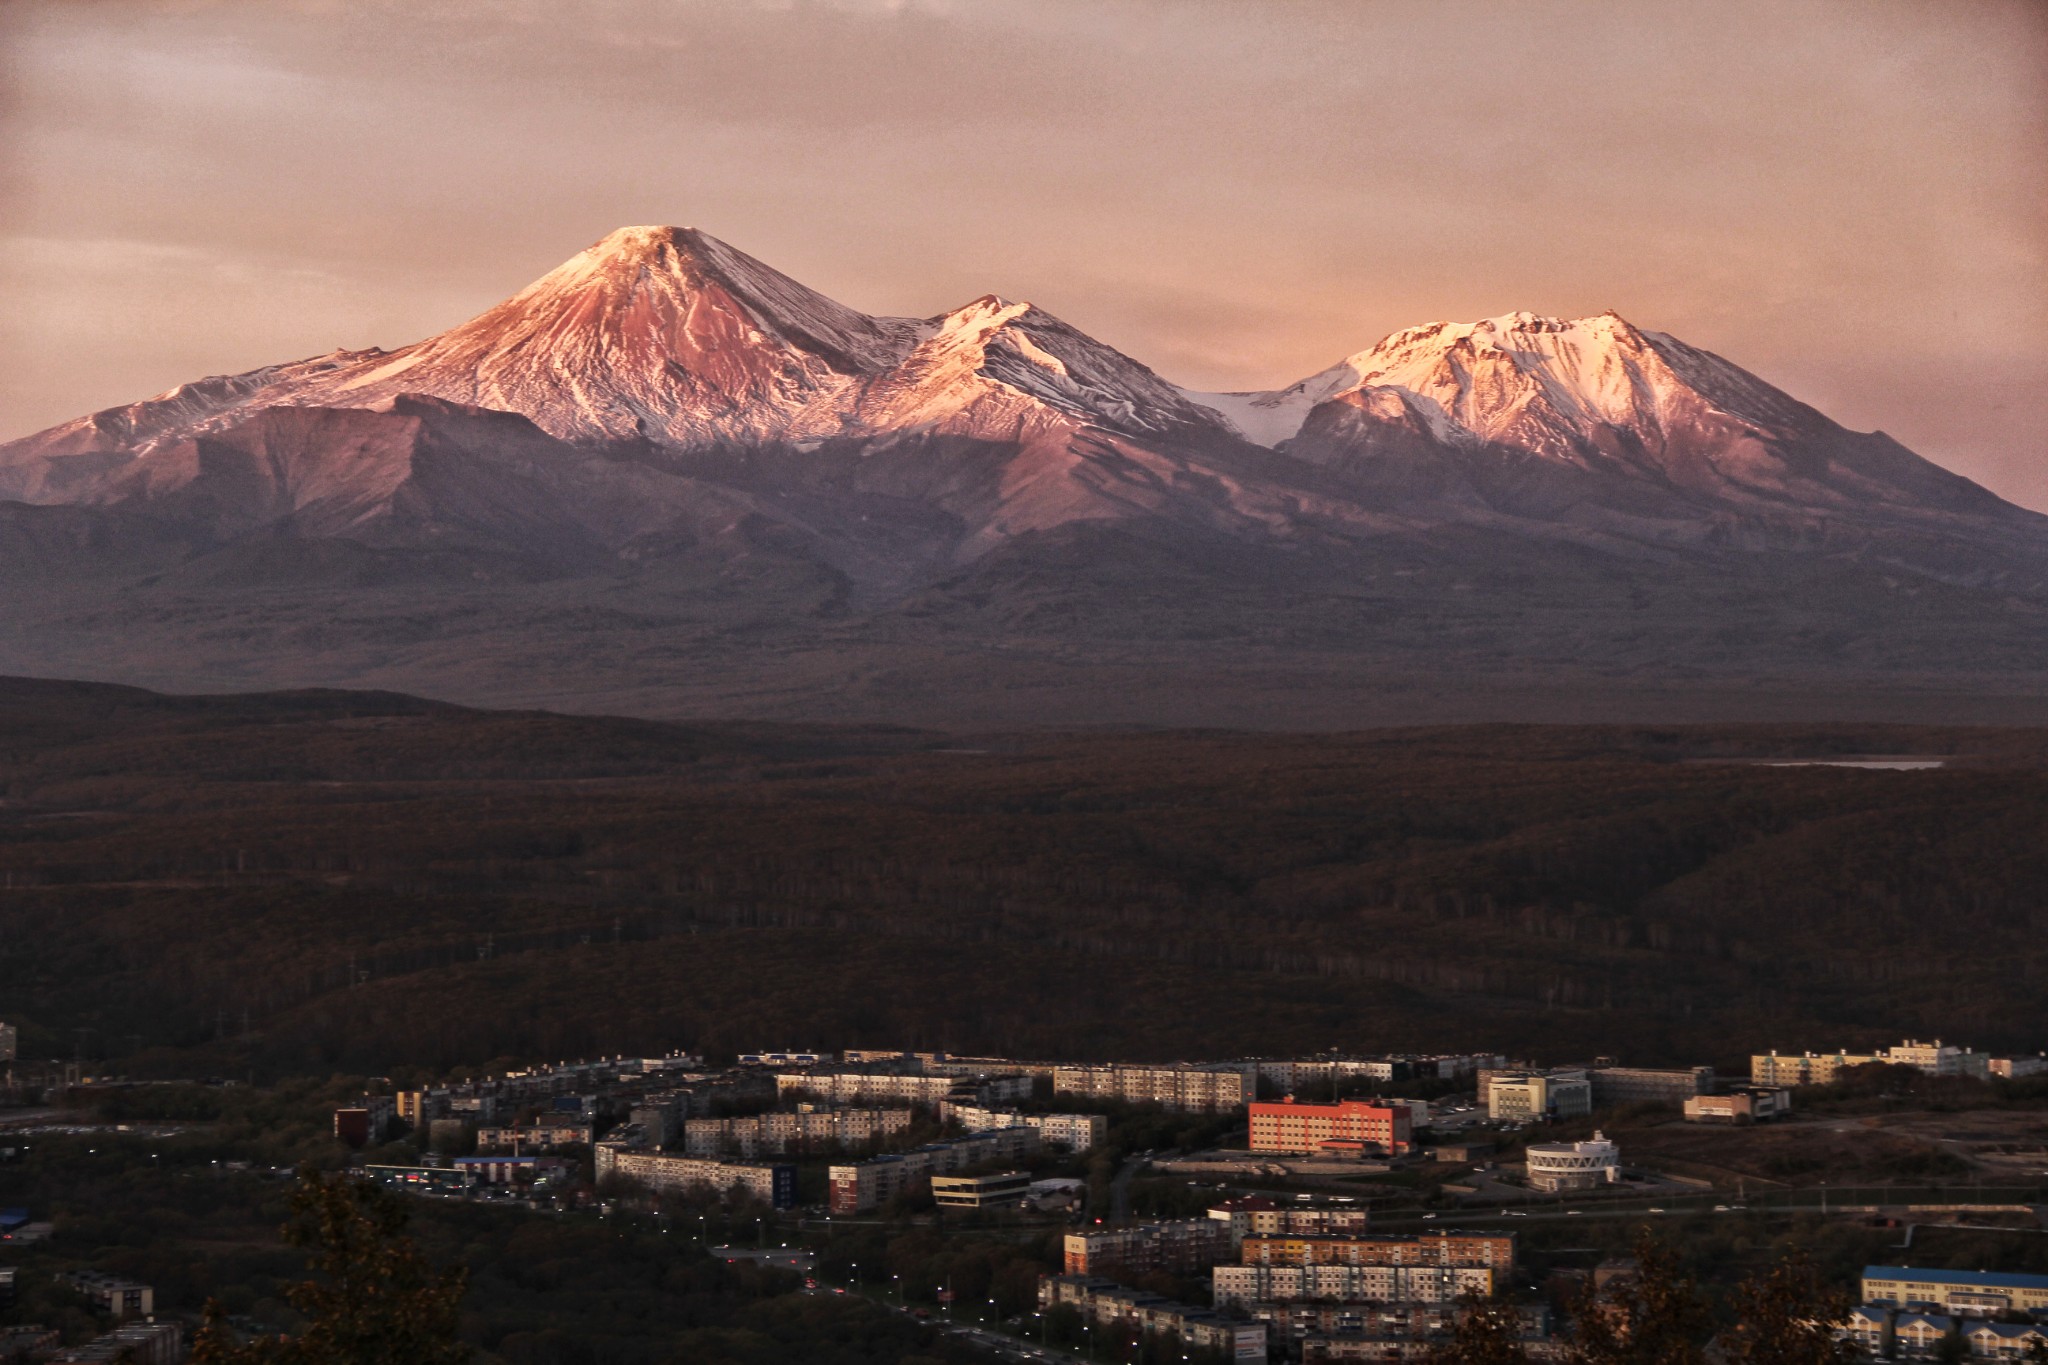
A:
(1354, 1127)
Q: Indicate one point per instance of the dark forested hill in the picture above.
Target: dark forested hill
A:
(312, 880)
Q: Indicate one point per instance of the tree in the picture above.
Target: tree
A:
(1485, 1334)
(1786, 1316)
(376, 1300)
(1654, 1316)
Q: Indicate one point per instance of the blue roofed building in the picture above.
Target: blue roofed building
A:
(1964, 1293)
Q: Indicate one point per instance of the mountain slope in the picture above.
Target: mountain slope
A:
(665, 471)
(1554, 419)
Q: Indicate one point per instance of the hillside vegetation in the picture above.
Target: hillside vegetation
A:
(297, 882)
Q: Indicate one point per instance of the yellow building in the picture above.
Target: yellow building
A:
(1811, 1068)
(1965, 1293)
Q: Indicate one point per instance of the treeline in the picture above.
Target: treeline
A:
(317, 880)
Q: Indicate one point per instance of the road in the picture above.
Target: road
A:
(1858, 1205)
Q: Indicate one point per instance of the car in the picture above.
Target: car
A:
(1517, 1213)
(1655, 1210)
(1427, 1216)
(1572, 1213)
(1720, 1208)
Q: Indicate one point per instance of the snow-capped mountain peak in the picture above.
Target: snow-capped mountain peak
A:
(1477, 381)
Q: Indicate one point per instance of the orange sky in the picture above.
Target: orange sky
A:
(1847, 198)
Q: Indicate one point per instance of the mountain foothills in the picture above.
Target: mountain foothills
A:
(666, 478)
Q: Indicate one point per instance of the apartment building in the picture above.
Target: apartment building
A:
(1619, 1085)
(1348, 1127)
(1186, 1088)
(1107, 1303)
(1061, 1132)
(1493, 1250)
(773, 1184)
(891, 1087)
(1808, 1068)
(1234, 1285)
(1918, 1336)
(543, 1136)
(1256, 1215)
(1964, 1293)
(2011, 1068)
(803, 1131)
(1935, 1059)
(1183, 1244)
(1536, 1096)
(861, 1185)
(1327, 1075)
(507, 1169)
(1380, 1332)
(112, 1294)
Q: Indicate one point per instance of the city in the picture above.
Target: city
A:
(1326, 1208)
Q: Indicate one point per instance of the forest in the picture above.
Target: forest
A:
(299, 883)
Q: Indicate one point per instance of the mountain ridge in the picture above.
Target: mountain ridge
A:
(677, 449)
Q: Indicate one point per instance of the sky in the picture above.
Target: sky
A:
(1848, 198)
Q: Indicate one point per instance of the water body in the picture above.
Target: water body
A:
(1895, 764)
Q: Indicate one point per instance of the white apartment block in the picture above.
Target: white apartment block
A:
(1215, 1088)
(1244, 1284)
(1063, 1132)
(781, 1134)
(775, 1185)
(882, 1087)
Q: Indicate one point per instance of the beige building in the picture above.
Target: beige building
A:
(1965, 1293)
(1182, 1244)
(1214, 1088)
(1743, 1104)
(1810, 1068)
(1935, 1059)
(1062, 1132)
(1257, 1216)
(2010, 1068)
(1494, 1250)
(884, 1087)
(1245, 1284)
(113, 1295)
(803, 1131)
(981, 1191)
(775, 1185)
(1534, 1096)
(1105, 1302)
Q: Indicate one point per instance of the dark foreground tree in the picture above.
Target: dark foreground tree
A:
(374, 1301)
(1485, 1334)
(1786, 1316)
(1655, 1316)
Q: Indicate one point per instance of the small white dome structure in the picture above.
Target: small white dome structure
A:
(1557, 1166)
